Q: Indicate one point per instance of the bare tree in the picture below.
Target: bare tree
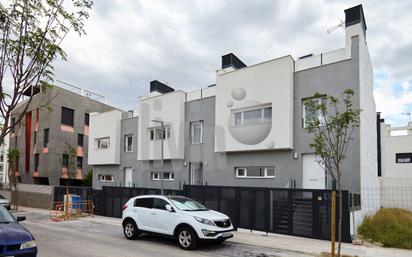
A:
(332, 126)
(31, 34)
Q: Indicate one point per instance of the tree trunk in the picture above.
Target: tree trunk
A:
(340, 218)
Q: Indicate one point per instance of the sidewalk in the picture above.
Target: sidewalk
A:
(271, 240)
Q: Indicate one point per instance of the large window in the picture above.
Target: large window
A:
(67, 116)
(144, 202)
(45, 137)
(253, 117)
(404, 158)
(36, 161)
(102, 143)
(310, 114)
(65, 161)
(196, 132)
(166, 176)
(156, 133)
(255, 172)
(79, 162)
(128, 143)
(86, 119)
(80, 139)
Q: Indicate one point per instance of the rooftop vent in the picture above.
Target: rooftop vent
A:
(230, 60)
(160, 87)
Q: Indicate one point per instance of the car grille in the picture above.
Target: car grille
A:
(223, 223)
(11, 248)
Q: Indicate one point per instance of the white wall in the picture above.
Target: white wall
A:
(271, 83)
(102, 125)
(170, 109)
(391, 145)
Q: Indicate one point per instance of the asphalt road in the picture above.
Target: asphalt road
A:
(79, 238)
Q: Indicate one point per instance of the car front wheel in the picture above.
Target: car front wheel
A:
(130, 230)
(187, 238)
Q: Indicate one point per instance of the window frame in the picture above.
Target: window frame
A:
(77, 162)
(98, 144)
(265, 172)
(103, 178)
(192, 132)
(46, 139)
(65, 164)
(241, 112)
(155, 176)
(80, 136)
(154, 132)
(87, 119)
(63, 120)
(36, 161)
(319, 100)
(126, 143)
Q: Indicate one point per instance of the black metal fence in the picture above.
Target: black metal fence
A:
(300, 212)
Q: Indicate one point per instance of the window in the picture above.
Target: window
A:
(196, 132)
(404, 158)
(67, 116)
(106, 178)
(166, 176)
(65, 161)
(2, 158)
(46, 138)
(159, 204)
(309, 114)
(144, 202)
(13, 124)
(156, 133)
(86, 119)
(79, 162)
(35, 137)
(80, 139)
(36, 161)
(128, 143)
(255, 172)
(253, 117)
(102, 143)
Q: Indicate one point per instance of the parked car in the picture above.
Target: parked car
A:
(15, 240)
(176, 216)
(4, 202)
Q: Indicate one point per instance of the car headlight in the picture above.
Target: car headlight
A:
(29, 244)
(205, 221)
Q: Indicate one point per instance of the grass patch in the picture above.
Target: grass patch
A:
(390, 226)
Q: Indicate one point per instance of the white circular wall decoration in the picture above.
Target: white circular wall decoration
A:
(238, 94)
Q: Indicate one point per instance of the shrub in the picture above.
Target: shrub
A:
(390, 226)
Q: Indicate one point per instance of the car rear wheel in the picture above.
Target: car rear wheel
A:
(187, 238)
(130, 230)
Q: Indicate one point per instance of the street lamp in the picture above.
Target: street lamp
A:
(162, 124)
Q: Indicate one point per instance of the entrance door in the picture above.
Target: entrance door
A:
(196, 174)
(313, 173)
(128, 177)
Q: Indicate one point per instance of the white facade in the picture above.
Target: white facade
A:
(170, 109)
(104, 138)
(240, 92)
(396, 145)
(4, 165)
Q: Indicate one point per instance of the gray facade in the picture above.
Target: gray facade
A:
(219, 168)
(48, 107)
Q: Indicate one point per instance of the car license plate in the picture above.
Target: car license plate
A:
(226, 234)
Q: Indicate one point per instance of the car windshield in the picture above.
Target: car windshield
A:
(5, 216)
(186, 204)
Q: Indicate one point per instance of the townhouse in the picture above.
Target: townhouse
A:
(246, 130)
(52, 137)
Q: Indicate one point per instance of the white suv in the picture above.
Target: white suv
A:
(180, 217)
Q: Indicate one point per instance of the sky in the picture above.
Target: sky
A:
(130, 43)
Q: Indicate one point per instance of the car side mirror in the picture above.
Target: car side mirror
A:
(169, 208)
(21, 218)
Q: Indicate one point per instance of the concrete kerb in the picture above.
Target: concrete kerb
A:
(271, 240)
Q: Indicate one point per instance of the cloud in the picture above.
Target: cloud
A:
(130, 43)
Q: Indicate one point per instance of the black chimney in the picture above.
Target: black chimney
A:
(354, 16)
(160, 87)
(230, 60)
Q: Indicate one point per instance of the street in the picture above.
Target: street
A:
(86, 238)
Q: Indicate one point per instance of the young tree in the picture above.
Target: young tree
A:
(13, 156)
(31, 34)
(332, 126)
